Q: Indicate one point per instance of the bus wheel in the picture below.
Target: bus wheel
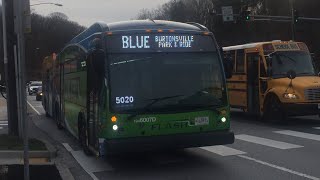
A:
(83, 134)
(57, 119)
(47, 114)
(274, 110)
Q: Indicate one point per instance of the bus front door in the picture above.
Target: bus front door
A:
(253, 83)
(95, 79)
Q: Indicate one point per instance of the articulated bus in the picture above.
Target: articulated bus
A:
(142, 85)
(273, 80)
(49, 66)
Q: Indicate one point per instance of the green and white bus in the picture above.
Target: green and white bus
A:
(140, 86)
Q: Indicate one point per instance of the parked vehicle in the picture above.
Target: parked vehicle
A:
(34, 86)
(39, 94)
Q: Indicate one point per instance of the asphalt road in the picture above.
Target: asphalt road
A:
(262, 150)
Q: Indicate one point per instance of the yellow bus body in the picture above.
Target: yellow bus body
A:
(253, 88)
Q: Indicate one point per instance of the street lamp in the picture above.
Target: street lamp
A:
(56, 4)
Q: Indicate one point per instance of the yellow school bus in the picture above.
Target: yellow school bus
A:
(273, 80)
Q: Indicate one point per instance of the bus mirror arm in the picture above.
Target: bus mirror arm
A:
(269, 66)
(269, 71)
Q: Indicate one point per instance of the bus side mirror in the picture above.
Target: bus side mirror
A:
(228, 67)
(269, 71)
(269, 66)
(98, 59)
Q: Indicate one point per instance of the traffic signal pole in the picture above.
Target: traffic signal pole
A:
(23, 25)
(293, 21)
(9, 41)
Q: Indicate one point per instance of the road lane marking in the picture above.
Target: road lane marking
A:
(3, 124)
(279, 167)
(1, 127)
(67, 146)
(33, 108)
(223, 150)
(89, 164)
(266, 142)
(316, 127)
(299, 134)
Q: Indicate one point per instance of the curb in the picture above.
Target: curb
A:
(32, 154)
(35, 157)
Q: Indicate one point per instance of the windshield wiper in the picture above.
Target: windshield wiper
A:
(283, 55)
(154, 101)
(306, 73)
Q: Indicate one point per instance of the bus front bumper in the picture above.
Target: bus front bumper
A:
(177, 141)
(302, 109)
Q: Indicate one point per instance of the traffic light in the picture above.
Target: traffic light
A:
(245, 15)
(295, 16)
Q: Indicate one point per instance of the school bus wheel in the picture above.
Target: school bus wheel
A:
(273, 109)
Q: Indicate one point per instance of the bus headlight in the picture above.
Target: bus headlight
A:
(115, 127)
(290, 96)
(223, 119)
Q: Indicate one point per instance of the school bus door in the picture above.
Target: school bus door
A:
(253, 100)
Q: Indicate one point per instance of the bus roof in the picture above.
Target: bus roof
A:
(249, 45)
(101, 27)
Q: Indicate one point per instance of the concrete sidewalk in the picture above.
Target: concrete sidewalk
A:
(3, 116)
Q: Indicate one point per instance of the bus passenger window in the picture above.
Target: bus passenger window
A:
(240, 61)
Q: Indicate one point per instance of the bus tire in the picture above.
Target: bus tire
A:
(274, 110)
(56, 117)
(83, 134)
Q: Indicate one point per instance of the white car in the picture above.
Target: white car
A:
(34, 86)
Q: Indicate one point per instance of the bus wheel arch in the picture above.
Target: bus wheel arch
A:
(57, 116)
(273, 108)
(83, 133)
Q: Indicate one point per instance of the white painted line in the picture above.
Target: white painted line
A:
(33, 108)
(3, 124)
(223, 150)
(279, 168)
(67, 146)
(89, 164)
(266, 142)
(299, 134)
(316, 127)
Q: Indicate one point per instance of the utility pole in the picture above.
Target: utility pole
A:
(22, 26)
(293, 23)
(9, 41)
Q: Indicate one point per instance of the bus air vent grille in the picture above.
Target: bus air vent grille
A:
(312, 94)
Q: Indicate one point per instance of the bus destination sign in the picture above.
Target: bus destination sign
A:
(166, 43)
(286, 47)
(143, 42)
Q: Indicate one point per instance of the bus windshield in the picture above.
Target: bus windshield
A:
(298, 61)
(158, 82)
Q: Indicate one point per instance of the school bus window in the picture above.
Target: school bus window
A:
(240, 61)
(233, 57)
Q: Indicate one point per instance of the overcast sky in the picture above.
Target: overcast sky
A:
(86, 12)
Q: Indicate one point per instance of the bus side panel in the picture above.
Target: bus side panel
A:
(237, 87)
(74, 99)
